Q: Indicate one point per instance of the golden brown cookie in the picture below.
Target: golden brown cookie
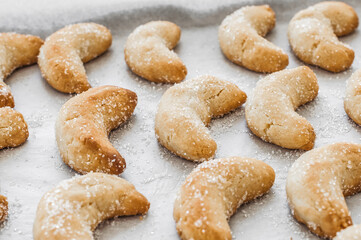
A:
(313, 35)
(352, 101)
(83, 126)
(241, 37)
(74, 208)
(212, 193)
(148, 52)
(3, 208)
(13, 128)
(16, 50)
(62, 56)
(318, 183)
(186, 109)
(270, 111)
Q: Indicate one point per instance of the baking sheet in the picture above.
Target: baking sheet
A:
(30, 170)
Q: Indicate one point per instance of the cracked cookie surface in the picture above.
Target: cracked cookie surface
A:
(313, 34)
(270, 110)
(186, 109)
(83, 126)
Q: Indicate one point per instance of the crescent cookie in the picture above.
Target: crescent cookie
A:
(62, 56)
(148, 52)
(83, 126)
(212, 193)
(270, 111)
(241, 37)
(16, 50)
(3, 208)
(13, 128)
(313, 35)
(74, 208)
(352, 101)
(186, 109)
(318, 183)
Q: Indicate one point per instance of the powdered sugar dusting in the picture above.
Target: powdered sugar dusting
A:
(155, 172)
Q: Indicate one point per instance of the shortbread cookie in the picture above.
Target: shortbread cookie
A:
(212, 193)
(62, 56)
(83, 126)
(148, 52)
(186, 109)
(16, 50)
(352, 102)
(74, 208)
(3, 208)
(318, 182)
(241, 37)
(313, 35)
(13, 128)
(350, 233)
(270, 111)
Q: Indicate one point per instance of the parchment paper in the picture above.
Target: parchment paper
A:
(30, 170)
